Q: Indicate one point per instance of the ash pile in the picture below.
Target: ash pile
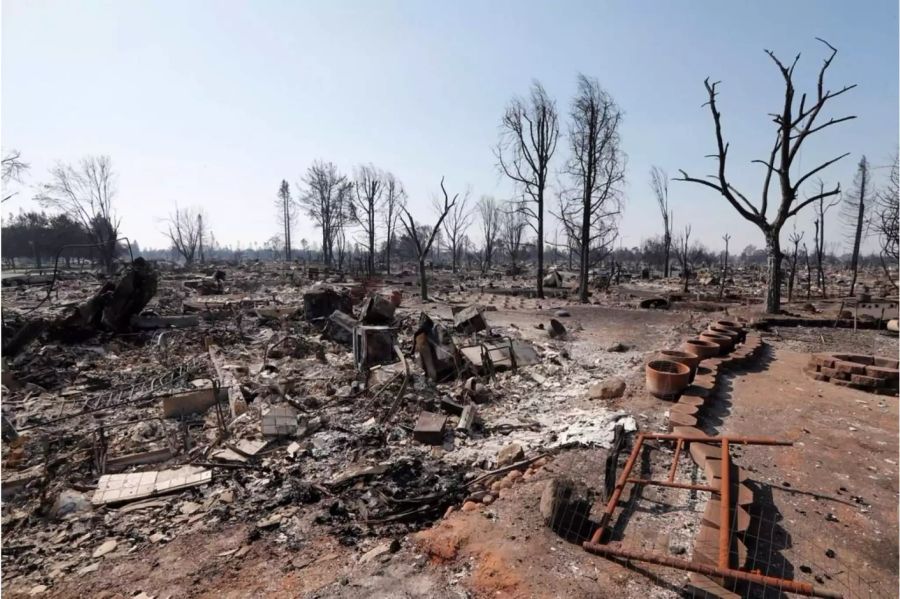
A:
(290, 405)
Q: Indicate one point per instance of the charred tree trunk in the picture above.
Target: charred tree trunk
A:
(773, 267)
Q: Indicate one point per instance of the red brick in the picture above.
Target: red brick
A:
(887, 363)
(866, 381)
(823, 360)
(881, 372)
(849, 367)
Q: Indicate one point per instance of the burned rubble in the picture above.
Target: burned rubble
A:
(289, 408)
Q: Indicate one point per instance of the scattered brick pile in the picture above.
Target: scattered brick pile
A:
(857, 371)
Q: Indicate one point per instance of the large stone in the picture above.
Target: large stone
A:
(609, 389)
(509, 455)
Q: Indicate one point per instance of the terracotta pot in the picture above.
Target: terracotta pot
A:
(722, 341)
(732, 326)
(701, 348)
(689, 359)
(666, 379)
(733, 335)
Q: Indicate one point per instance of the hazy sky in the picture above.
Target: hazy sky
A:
(213, 103)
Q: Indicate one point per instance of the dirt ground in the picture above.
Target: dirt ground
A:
(835, 490)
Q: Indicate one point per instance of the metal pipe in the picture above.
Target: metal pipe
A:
(617, 492)
(724, 499)
(674, 485)
(675, 459)
(790, 586)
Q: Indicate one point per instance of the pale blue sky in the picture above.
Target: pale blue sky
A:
(212, 103)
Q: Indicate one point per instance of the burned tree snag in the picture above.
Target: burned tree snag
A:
(794, 125)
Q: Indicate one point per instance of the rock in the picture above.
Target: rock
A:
(189, 507)
(830, 553)
(469, 506)
(488, 499)
(510, 454)
(37, 589)
(514, 475)
(565, 506)
(105, 548)
(70, 502)
(88, 569)
(270, 522)
(557, 330)
(375, 552)
(157, 537)
(617, 347)
(610, 389)
(562, 313)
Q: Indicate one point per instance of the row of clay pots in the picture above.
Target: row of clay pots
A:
(671, 371)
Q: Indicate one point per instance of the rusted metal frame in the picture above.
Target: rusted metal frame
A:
(675, 460)
(716, 440)
(617, 492)
(724, 499)
(790, 586)
(673, 485)
(625, 476)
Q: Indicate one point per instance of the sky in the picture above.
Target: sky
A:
(213, 103)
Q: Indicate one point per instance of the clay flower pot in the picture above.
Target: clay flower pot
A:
(666, 379)
(725, 343)
(731, 326)
(701, 348)
(733, 335)
(689, 359)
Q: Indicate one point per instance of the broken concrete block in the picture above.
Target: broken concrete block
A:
(193, 402)
(280, 421)
(467, 419)
(430, 428)
(340, 327)
(377, 309)
(469, 320)
(321, 303)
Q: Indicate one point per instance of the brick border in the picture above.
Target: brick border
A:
(863, 372)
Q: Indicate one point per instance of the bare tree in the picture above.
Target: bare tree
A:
(726, 237)
(369, 187)
(822, 209)
(455, 226)
(490, 229)
(13, 169)
(183, 231)
(886, 222)
(529, 133)
(512, 225)
(86, 194)
(597, 168)
(853, 213)
(394, 197)
(794, 238)
(808, 273)
(286, 215)
(325, 195)
(794, 125)
(683, 251)
(659, 183)
(420, 241)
